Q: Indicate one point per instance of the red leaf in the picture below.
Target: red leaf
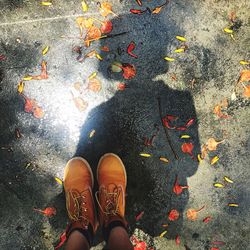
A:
(28, 106)
(130, 48)
(173, 215)
(139, 216)
(166, 123)
(38, 112)
(141, 246)
(182, 128)
(135, 11)
(214, 248)
(187, 148)
(177, 188)
(190, 122)
(207, 219)
(62, 240)
(171, 117)
(106, 27)
(121, 86)
(177, 240)
(129, 71)
(48, 211)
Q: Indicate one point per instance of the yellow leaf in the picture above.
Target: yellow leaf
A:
(229, 31)
(228, 179)
(163, 233)
(244, 62)
(46, 3)
(58, 180)
(185, 136)
(20, 87)
(232, 36)
(92, 133)
(179, 50)
(170, 59)
(218, 185)
(85, 7)
(145, 155)
(181, 38)
(27, 78)
(233, 204)
(199, 158)
(214, 160)
(164, 159)
(93, 75)
(98, 56)
(45, 50)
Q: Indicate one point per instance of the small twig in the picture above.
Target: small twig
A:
(165, 130)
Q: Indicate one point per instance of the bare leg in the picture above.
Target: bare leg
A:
(118, 239)
(77, 241)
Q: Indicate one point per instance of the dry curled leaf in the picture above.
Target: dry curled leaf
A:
(80, 103)
(246, 92)
(192, 214)
(94, 85)
(177, 189)
(173, 215)
(38, 112)
(94, 33)
(130, 48)
(106, 9)
(43, 75)
(218, 112)
(28, 106)
(212, 144)
(244, 75)
(129, 71)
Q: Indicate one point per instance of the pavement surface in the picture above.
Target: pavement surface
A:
(189, 88)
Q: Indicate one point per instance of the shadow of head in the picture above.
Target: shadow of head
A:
(122, 122)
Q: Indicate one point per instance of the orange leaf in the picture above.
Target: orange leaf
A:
(28, 106)
(212, 144)
(218, 112)
(204, 151)
(38, 112)
(105, 48)
(48, 211)
(44, 74)
(93, 33)
(121, 86)
(84, 23)
(192, 214)
(246, 92)
(106, 9)
(80, 103)
(129, 71)
(94, 85)
(244, 75)
(173, 215)
(157, 10)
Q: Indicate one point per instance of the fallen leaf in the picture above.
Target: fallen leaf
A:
(179, 50)
(92, 76)
(163, 233)
(207, 219)
(233, 204)
(48, 211)
(139, 2)
(80, 103)
(177, 240)
(189, 122)
(63, 238)
(28, 106)
(187, 148)
(157, 10)
(164, 159)
(105, 48)
(199, 158)
(181, 38)
(244, 75)
(106, 9)
(45, 50)
(92, 133)
(46, 3)
(27, 78)
(229, 31)
(136, 11)
(129, 71)
(145, 155)
(192, 214)
(85, 7)
(94, 85)
(212, 144)
(204, 151)
(214, 248)
(166, 123)
(218, 112)
(20, 87)
(164, 225)
(93, 33)
(84, 23)
(218, 185)
(214, 160)
(44, 74)
(38, 112)
(18, 133)
(106, 27)
(246, 92)
(116, 67)
(173, 215)
(77, 86)
(130, 48)
(170, 59)
(58, 180)
(141, 246)
(121, 86)
(244, 62)
(177, 189)
(185, 136)
(139, 216)
(227, 179)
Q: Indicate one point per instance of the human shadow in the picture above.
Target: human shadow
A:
(122, 123)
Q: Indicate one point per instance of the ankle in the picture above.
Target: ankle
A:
(111, 225)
